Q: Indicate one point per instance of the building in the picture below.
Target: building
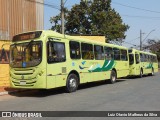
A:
(18, 16)
(95, 38)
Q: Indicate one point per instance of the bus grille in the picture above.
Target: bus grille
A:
(25, 76)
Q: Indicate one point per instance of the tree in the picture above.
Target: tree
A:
(94, 17)
(154, 46)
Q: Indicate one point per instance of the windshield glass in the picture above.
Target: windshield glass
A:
(131, 59)
(25, 54)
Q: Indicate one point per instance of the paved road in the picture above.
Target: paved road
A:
(126, 95)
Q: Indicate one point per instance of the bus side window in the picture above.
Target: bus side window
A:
(124, 55)
(145, 58)
(154, 58)
(116, 53)
(98, 52)
(141, 57)
(149, 58)
(108, 53)
(74, 50)
(87, 51)
(137, 58)
(56, 52)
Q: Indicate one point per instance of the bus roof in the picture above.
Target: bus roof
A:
(139, 51)
(49, 33)
(55, 34)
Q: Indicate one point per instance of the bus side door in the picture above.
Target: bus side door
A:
(137, 64)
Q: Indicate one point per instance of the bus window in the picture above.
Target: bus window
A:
(149, 58)
(98, 52)
(116, 52)
(130, 51)
(87, 51)
(137, 58)
(27, 54)
(142, 57)
(108, 53)
(74, 50)
(124, 55)
(145, 58)
(154, 58)
(56, 52)
(131, 59)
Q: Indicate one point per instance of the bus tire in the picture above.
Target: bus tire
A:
(141, 73)
(152, 73)
(72, 83)
(113, 77)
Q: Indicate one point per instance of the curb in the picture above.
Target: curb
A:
(10, 92)
(3, 93)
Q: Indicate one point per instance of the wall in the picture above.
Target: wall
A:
(17, 16)
(95, 38)
(4, 68)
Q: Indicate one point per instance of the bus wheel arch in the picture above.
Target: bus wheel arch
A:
(72, 82)
(113, 76)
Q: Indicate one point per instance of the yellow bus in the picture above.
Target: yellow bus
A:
(142, 63)
(47, 59)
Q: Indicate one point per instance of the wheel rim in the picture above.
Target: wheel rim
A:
(152, 72)
(113, 77)
(141, 73)
(72, 83)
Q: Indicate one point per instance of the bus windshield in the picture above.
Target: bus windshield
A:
(131, 59)
(24, 55)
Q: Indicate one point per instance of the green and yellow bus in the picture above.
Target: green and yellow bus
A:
(142, 63)
(47, 59)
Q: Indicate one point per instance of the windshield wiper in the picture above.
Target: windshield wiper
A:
(29, 44)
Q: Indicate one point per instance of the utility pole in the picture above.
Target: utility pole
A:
(140, 39)
(62, 16)
(141, 42)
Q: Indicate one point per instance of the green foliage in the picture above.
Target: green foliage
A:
(95, 17)
(154, 46)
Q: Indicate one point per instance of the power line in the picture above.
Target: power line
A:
(146, 10)
(52, 3)
(45, 4)
(56, 7)
(143, 17)
(129, 43)
(65, 2)
(134, 39)
(148, 35)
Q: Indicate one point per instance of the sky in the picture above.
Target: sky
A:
(141, 15)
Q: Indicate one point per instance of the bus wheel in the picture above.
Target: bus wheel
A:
(141, 74)
(72, 83)
(113, 77)
(152, 73)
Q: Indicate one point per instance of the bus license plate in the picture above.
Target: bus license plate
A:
(22, 82)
